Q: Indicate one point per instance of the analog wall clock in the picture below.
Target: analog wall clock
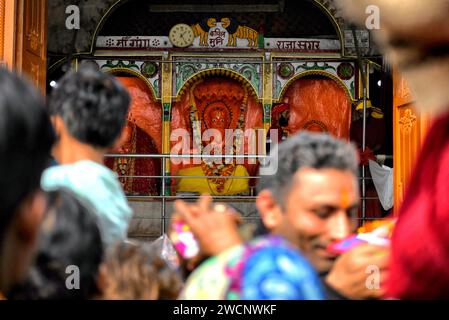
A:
(181, 35)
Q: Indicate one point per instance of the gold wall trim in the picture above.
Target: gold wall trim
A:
(111, 9)
(340, 34)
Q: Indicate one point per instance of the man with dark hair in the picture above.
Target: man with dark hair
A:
(89, 110)
(69, 246)
(92, 106)
(312, 201)
(26, 138)
(228, 268)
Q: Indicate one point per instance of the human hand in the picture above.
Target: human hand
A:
(354, 276)
(214, 227)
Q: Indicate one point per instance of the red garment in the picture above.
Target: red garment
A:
(366, 156)
(420, 243)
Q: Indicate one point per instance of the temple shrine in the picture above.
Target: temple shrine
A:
(262, 70)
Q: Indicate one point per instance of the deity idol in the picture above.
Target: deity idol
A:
(216, 117)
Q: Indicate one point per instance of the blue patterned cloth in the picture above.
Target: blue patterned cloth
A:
(270, 269)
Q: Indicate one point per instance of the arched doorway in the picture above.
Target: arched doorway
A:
(317, 103)
(205, 101)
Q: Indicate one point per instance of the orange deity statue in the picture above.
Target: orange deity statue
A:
(215, 114)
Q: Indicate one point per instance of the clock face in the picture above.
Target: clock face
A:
(181, 35)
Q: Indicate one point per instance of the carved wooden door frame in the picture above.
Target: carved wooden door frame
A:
(23, 38)
(409, 130)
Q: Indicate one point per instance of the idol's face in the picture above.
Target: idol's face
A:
(218, 119)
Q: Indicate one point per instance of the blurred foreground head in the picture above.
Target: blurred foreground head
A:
(136, 272)
(26, 138)
(415, 36)
(89, 106)
(69, 253)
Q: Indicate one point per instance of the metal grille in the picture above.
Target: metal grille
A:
(164, 200)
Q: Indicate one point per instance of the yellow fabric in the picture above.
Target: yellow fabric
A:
(377, 113)
(360, 105)
(203, 185)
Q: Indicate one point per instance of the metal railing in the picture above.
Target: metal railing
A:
(165, 177)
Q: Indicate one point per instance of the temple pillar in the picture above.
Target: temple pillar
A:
(267, 91)
(167, 93)
(267, 99)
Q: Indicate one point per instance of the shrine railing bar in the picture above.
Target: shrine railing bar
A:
(187, 156)
(164, 177)
(164, 197)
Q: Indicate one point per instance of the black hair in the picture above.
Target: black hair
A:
(92, 104)
(26, 138)
(70, 238)
(304, 150)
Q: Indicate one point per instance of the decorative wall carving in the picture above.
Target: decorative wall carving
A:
(407, 120)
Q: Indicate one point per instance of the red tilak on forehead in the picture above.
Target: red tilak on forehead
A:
(344, 198)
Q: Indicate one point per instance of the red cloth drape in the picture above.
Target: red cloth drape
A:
(144, 111)
(319, 105)
(141, 135)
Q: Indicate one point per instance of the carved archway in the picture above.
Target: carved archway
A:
(325, 6)
(325, 74)
(118, 71)
(318, 103)
(246, 111)
(217, 72)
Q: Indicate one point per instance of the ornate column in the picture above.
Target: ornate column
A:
(267, 99)
(166, 115)
(267, 90)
